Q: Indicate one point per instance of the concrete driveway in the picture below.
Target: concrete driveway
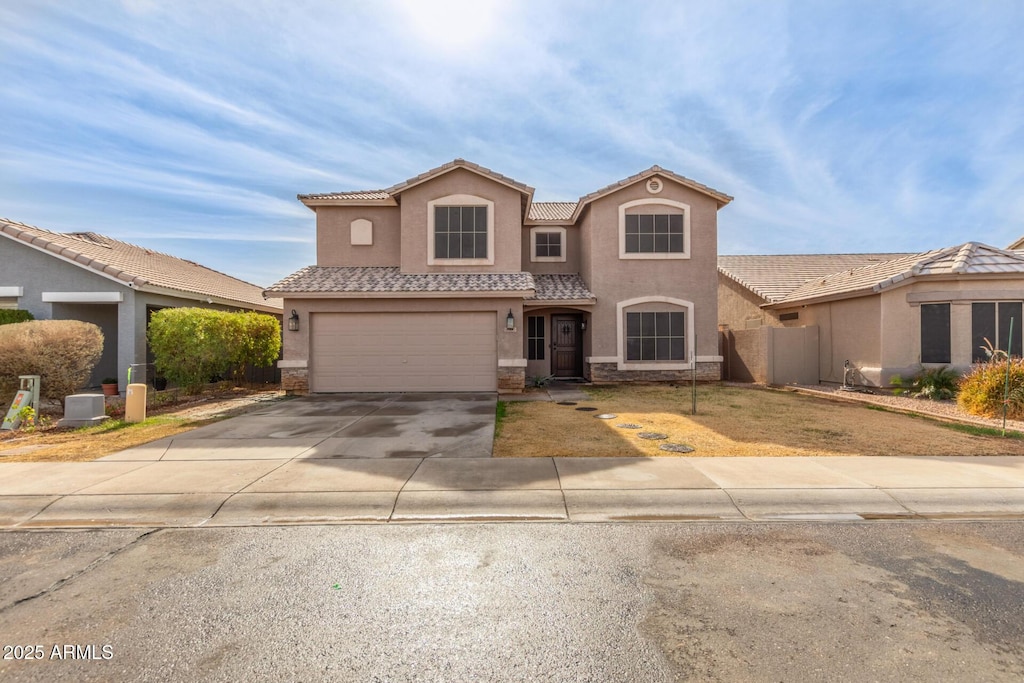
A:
(344, 426)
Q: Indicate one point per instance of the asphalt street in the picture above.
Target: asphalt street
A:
(882, 601)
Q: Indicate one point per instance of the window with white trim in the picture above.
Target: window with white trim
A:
(547, 244)
(656, 336)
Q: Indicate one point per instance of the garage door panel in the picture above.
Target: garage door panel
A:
(403, 352)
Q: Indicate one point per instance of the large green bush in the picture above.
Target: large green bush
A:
(62, 352)
(9, 316)
(193, 345)
(983, 388)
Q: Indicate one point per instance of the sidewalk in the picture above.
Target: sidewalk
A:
(276, 486)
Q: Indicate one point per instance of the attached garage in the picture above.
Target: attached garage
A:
(403, 352)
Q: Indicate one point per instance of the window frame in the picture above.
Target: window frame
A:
(655, 304)
(535, 343)
(534, 232)
(999, 329)
(646, 333)
(624, 210)
(461, 201)
(933, 308)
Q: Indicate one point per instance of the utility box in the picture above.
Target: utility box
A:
(135, 403)
(82, 410)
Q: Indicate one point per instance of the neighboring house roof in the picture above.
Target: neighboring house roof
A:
(140, 268)
(773, 277)
(971, 258)
(1019, 244)
(390, 280)
(552, 211)
(561, 288)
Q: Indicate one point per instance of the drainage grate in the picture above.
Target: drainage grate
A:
(652, 435)
(629, 425)
(606, 416)
(587, 409)
(676, 448)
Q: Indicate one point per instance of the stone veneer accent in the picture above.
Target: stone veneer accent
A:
(609, 372)
(511, 380)
(295, 380)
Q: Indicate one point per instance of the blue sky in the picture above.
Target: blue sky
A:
(190, 126)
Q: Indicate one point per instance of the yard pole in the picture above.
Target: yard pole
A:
(1006, 386)
(693, 378)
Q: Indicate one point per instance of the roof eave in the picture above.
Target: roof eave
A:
(447, 294)
(534, 303)
(312, 203)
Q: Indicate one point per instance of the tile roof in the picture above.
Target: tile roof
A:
(139, 267)
(560, 287)
(389, 279)
(721, 197)
(552, 211)
(359, 195)
(772, 277)
(971, 258)
(459, 163)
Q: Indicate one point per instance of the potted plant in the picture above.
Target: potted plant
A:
(109, 385)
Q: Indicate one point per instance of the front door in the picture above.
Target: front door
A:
(566, 350)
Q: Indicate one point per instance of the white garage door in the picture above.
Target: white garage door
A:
(403, 352)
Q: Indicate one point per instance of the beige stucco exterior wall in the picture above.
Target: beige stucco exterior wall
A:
(612, 279)
(508, 222)
(334, 242)
(740, 309)
(848, 330)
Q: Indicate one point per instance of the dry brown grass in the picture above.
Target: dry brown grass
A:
(731, 421)
(89, 443)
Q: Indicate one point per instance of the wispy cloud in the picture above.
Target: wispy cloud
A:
(194, 121)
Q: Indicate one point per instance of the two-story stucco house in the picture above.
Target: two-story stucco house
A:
(456, 280)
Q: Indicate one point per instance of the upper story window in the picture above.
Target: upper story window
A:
(460, 231)
(547, 244)
(654, 229)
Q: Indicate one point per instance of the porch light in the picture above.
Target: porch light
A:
(510, 321)
(293, 321)
(583, 325)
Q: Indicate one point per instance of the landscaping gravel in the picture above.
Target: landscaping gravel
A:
(948, 410)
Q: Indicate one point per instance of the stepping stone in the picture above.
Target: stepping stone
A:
(606, 416)
(652, 435)
(629, 425)
(676, 448)
(587, 409)
(566, 403)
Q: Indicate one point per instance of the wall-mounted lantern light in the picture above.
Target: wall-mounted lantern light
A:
(510, 321)
(293, 321)
(583, 325)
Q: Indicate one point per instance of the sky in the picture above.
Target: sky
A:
(189, 126)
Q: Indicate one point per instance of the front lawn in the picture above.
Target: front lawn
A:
(730, 421)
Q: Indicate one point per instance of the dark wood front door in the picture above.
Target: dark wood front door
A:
(566, 349)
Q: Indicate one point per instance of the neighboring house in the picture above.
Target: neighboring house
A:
(456, 280)
(888, 315)
(115, 285)
(1019, 244)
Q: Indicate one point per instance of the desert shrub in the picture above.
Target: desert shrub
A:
(10, 316)
(982, 389)
(938, 384)
(193, 345)
(61, 352)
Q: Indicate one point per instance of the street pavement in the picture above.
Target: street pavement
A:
(376, 459)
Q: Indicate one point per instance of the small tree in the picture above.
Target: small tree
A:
(192, 345)
(62, 352)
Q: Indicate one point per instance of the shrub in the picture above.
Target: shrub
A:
(10, 316)
(193, 345)
(982, 389)
(938, 384)
(61, 352)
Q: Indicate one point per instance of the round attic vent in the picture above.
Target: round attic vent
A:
(654, 185)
